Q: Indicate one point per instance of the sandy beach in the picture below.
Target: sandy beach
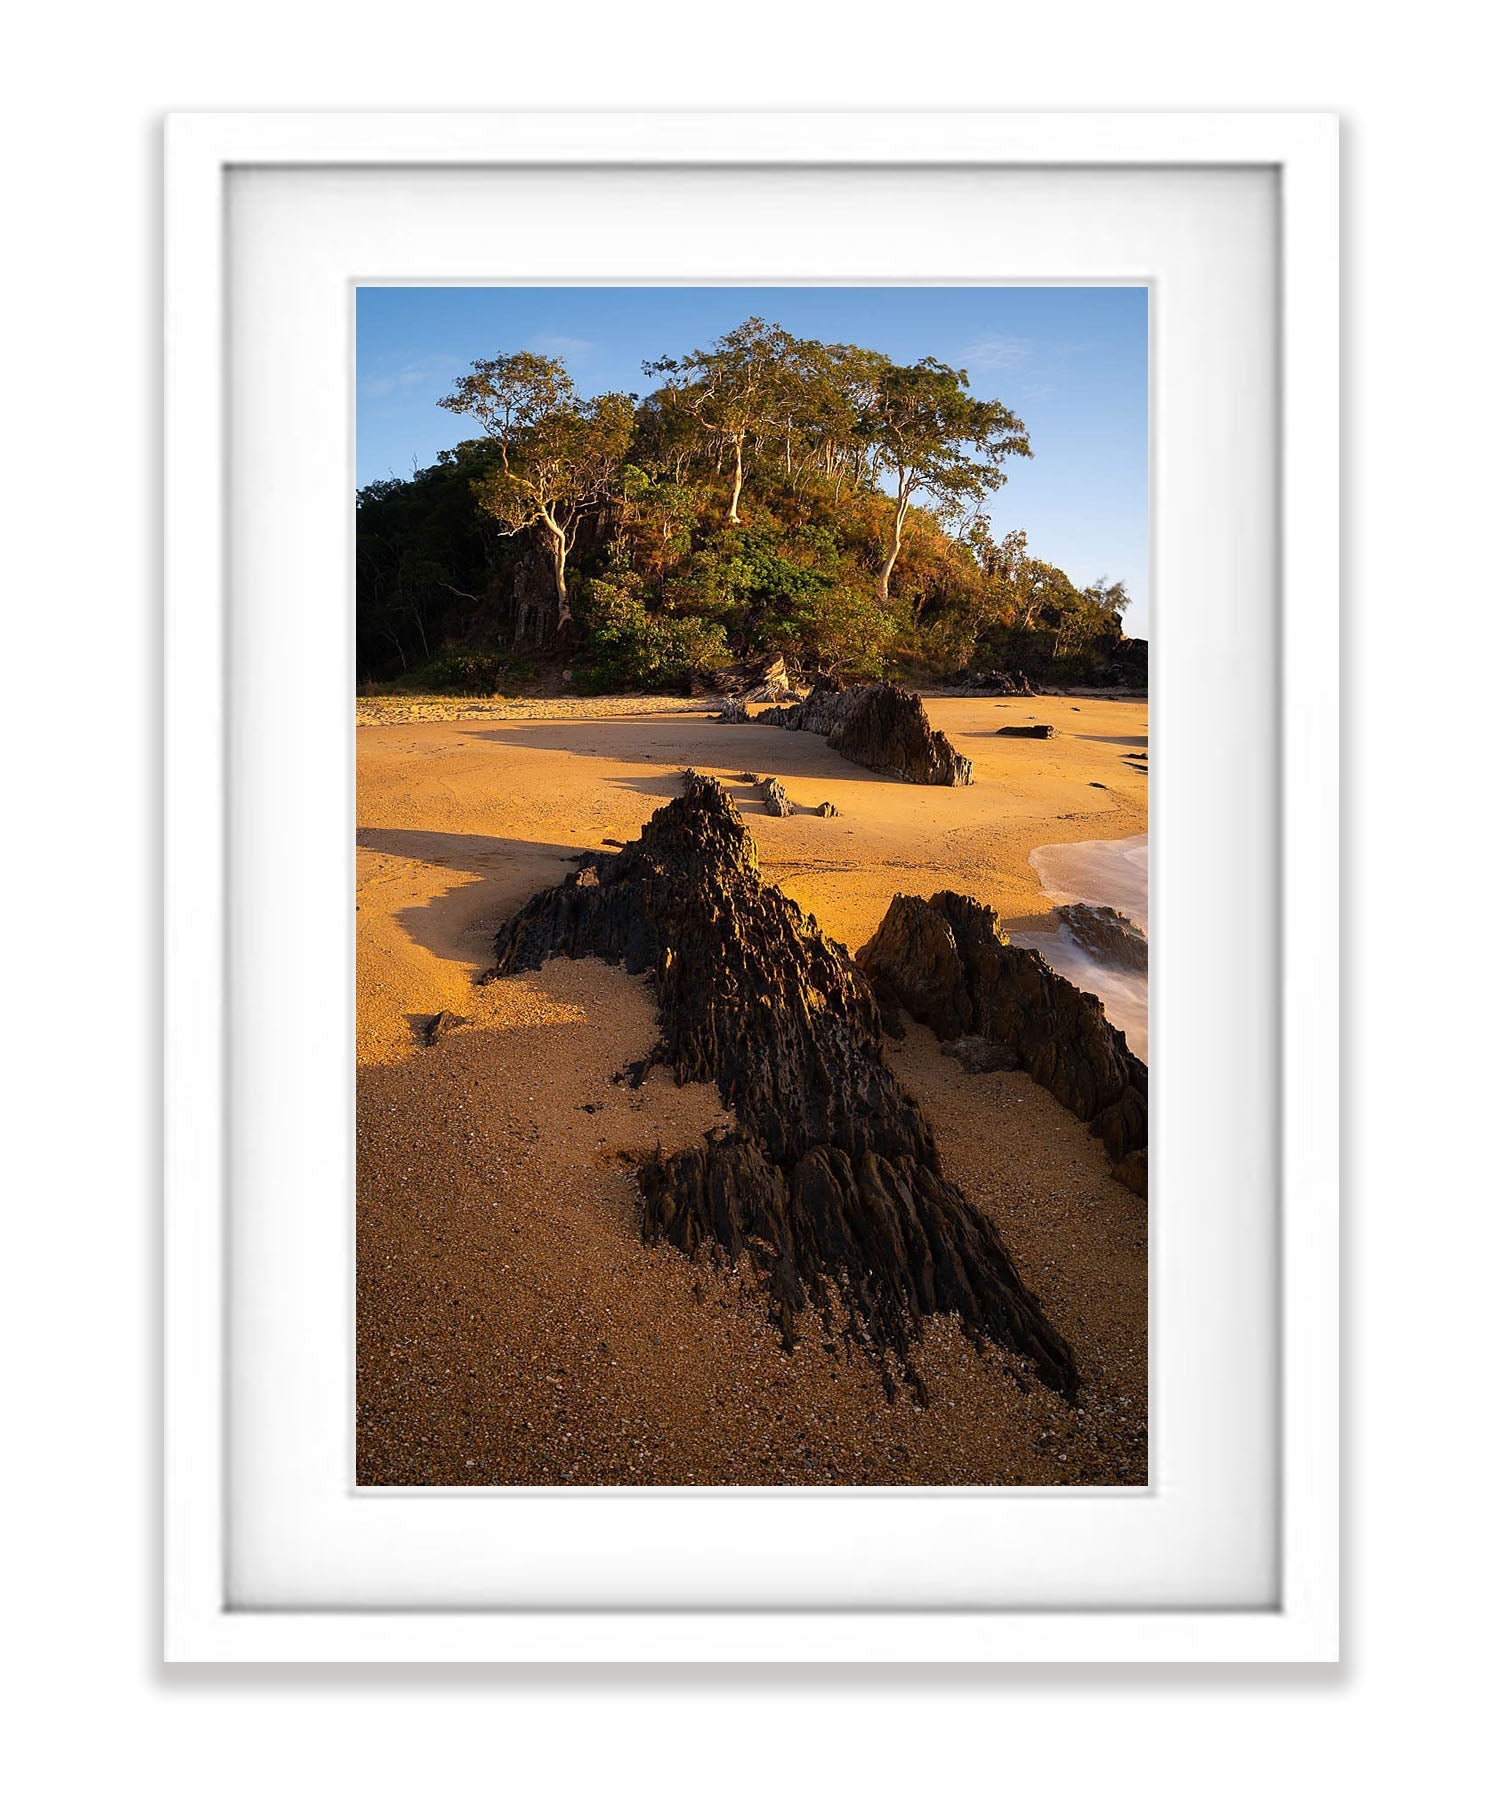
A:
(512, 1328)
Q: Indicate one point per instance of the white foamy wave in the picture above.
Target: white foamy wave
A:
(1109, 872)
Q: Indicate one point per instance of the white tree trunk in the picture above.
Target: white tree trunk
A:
(558, 543)
(895, 548)
(739, 482)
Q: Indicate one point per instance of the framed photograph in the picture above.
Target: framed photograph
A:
(672, 624)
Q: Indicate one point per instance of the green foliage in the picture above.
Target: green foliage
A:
(630, 646)
(773, 495)
(850, 631)
(466, 672)
(758, 583)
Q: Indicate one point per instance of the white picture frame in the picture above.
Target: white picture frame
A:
(203, 1622)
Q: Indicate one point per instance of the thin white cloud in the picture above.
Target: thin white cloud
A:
(1000, 352)
(546, 345)
(397, 383)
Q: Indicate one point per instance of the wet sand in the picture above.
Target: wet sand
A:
(512, 1327)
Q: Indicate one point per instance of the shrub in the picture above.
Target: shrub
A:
(630, 646)
(462, 672)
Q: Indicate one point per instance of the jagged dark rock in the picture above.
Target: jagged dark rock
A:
(827, 810)
(945, 962)
(1107, 935)
(881, 727)
(830, 1187)
(733, 714)
(1026, 731)
(775, 797)
(818, 711)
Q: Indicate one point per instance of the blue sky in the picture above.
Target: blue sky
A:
(1070, 361)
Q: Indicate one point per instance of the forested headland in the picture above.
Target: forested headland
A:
(768, 496)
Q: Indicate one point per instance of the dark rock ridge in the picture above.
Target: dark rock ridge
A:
(1027, 731)
(1107, 935)
(881, 727)
(830, 1187)
(944, 961)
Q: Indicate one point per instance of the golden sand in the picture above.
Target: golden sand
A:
(512, 1327)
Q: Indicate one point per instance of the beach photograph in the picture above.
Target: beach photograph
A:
(751, 880)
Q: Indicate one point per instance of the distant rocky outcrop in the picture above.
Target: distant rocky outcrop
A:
(997, 681)
(1025, 731)
(881, 727)
(945, 962)
(830, 1188)
(1108, 936)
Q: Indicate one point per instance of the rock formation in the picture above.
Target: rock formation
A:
(1107, 935)
(944, 961)
(775, 797)
(997, 681)
(439, 1025)
(1026, 731)
(830, 1188)
(762, 678)
(881, 727)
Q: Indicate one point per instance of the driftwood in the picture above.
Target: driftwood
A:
(762, 678)
(881, 727)
(944, 961)
(829, 1188)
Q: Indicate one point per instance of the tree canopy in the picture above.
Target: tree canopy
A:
(770, 494)
(558, 455)
(931, 436)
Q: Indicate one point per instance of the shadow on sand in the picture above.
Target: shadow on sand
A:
(721, 750)
(498, 875)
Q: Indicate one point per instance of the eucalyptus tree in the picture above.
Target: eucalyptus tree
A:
(736, 390)
(559, 454)
(931, 436)
(831, 389)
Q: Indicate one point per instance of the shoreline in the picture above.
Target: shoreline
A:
(410, 709)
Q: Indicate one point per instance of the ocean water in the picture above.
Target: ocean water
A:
(1108, 872)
